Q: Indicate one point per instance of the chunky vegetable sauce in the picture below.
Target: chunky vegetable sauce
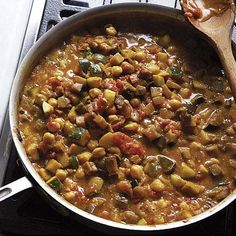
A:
(131, 127)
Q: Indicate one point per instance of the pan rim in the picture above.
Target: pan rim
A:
(14, 96)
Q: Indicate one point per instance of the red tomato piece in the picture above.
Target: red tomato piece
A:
(128, 145)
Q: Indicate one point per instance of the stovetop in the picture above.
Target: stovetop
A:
(27, 213)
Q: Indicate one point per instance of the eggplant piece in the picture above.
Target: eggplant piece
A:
(215, 170)
(212, 149)
(121, 201)
(127, 94)
(215, 83)
(111, 165)
(161, 142)
(89, 168)
(228, 102)
(152, 169)
(185, 120)
(194, 103)
(215, 121)
(119, 101)
(167, 164)
(85, 64)
(218, 193)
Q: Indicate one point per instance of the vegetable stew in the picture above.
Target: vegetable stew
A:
(132, 127)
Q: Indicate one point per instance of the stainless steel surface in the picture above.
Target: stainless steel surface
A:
(150, 13)
(14, 188)
(30, 36)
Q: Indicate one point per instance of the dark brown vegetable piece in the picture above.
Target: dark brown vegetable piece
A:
(111, 165)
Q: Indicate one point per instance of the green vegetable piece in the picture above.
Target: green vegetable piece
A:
(33, 90)
(87, 54)
(100, 58)
(74, 163)
(152, 169)
(85, 64)
(175, 72)
(95, 69)
(166, 163)
(77, 133)
(55, 183)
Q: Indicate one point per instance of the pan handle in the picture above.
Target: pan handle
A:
(14, 187)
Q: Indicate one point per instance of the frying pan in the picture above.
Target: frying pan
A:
(128, 15)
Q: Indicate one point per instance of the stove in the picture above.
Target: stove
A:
(27, 213)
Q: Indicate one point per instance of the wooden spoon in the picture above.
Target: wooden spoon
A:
(218, 29)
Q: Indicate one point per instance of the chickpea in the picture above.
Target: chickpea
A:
(185, 92)
(99, 152)
(48, 138)
(70, 196)
(140, 56)
(116, 70)
(135, 102)
(94, 92)
(136, 172)
(92, 144)
(95, 184)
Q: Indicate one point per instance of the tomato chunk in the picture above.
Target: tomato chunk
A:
(128, 145)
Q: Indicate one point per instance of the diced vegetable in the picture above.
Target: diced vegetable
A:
(127, 145)
(76, 133)
(152, 169)
(95, 185)
(111, 165)
(110, 96)
(186, 171)
(95, 70)
(175, 72)
(55, 183)
(215, 170)
(117, 59)
(99, 152)
(99, 58)
(94, 82)
(110, 30)
(89, 168)
(166, 163)
(84, 156)
(74, 161)
(106, 140)
(85, 64)
(47, 108)
(136, 172)
(61, 174)
(63, 102)
(157, 186)
(52, 166)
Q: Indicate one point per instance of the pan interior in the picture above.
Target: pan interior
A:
(129, 18)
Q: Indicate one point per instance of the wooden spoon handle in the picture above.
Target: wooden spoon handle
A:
(227, 59)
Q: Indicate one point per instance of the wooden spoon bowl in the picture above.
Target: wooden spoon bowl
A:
(218, 29)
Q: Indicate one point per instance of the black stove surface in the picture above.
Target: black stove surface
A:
(28, 214)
